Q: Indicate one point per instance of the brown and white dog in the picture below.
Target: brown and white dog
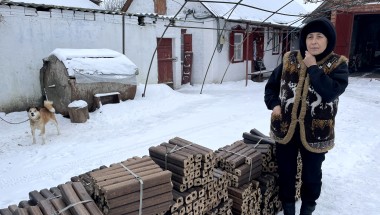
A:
(39, 117)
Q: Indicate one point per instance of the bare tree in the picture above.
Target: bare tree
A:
(342, 3)
(335, 5)
(113, 5)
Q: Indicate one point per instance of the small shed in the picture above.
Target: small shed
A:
(80, 74)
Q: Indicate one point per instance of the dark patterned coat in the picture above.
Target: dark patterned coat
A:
(308, 97)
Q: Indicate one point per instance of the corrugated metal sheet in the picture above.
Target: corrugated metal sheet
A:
(52, 7)
(72, 7)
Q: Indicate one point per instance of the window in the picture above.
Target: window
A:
(238, 46)
(276, 41)
(243, 46)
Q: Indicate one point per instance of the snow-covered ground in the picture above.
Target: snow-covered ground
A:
(215, 118)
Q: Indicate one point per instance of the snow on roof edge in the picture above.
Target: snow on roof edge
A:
(83, 4)
(65, 54)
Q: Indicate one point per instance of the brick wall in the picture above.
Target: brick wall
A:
(363, 9)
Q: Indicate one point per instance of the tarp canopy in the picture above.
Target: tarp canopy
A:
(258, 11)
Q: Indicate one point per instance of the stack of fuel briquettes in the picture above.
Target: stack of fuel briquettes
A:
(198, 187)
(241, 161)
(269, 179)
(243, 164)
(246, 198)
(66, 199)
(135, 186)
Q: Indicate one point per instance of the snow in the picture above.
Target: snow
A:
(64, 54)
(215, 118)
(78, 104)
(309, 6)
(95, 61)
(65, 3)
(106, 94)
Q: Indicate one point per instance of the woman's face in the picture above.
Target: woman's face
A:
(316, 43)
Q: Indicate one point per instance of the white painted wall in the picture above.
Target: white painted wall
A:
(204, 42)
(270, 61)
(216, 65)
(28, 36)
(146, 6)
(172, 7)
(175, 35)
(203, 46)
(140, 43)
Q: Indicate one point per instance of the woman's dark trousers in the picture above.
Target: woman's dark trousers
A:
(286, 155)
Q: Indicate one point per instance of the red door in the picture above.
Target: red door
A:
(343, 25)
(257, 44)
(256, 47)
(165, 60)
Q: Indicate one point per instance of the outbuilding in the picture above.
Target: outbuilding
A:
(358, 31)
(82, 74)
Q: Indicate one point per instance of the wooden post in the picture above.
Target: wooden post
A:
(78, 111)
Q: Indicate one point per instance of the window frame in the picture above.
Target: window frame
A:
(238, 47)
(276, 45)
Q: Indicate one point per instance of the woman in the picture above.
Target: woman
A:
(303, 94)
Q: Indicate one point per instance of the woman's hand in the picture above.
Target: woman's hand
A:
(276, 111)
(309, 59)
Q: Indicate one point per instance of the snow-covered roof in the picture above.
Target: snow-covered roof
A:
(258, 11)
(95, 62)
(87, 4)
(309, 6)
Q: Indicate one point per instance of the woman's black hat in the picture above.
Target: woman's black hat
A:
(323, 26)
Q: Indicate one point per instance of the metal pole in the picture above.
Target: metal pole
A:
(225, 23)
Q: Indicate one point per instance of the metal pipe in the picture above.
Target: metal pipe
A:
(123, 33)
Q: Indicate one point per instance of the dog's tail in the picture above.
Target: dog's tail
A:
(49, 106)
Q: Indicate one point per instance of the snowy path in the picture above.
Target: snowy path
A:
(214, 119)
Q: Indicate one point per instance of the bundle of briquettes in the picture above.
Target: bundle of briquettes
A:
(269, 179)
(198, 187)
(65, 199)
(243, 164)
(135, 186)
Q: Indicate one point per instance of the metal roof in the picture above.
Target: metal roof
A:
(85, 4)
(73, 7)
